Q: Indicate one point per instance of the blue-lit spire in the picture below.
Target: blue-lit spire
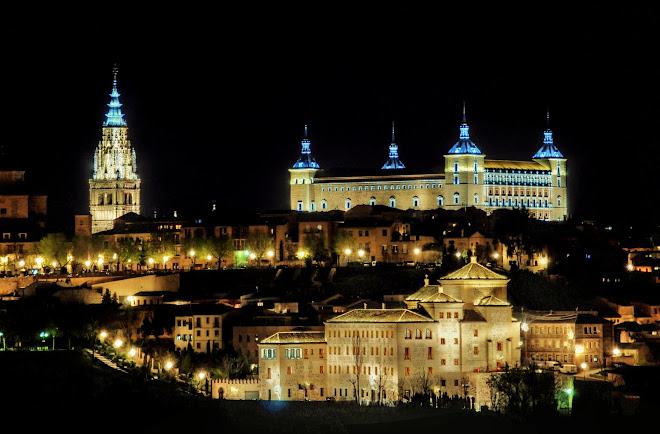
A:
(548, 150)
(306, 161)
(393, 161)
(114, 117)
(464, 144)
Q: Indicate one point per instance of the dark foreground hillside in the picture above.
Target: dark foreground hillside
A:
(66, 390)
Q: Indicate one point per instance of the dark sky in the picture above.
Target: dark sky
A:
(216, 105)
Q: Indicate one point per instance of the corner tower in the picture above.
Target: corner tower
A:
(114, 189)
(393, 161)
(302, 177)
(464, 168)
(550, 157)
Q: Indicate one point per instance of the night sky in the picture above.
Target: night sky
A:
(216, 105)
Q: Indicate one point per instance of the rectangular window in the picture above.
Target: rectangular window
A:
(407, 370)
(430, 353)
(441, 315)
(288, 370)
(443, 362)
(406, 353)
(430, 371)
(442, 341)
(499, 346)
(268, 373)
(476, 333)
(476, 351)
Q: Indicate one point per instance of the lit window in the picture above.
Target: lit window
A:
(457, 198)
(441, 200)
(415, 201)
(392, 202)
(348, 203)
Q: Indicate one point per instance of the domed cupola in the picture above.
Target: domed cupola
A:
(464, 144)
(306, 161)
(393, 161)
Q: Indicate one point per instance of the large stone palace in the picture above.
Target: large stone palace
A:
(469, 179)
(114, 189)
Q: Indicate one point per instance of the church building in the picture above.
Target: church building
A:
(114, 189)
(469, 180)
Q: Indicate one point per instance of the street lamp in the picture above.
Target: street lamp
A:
(202, 376)
(4, 344)
(192, 259)
(348, 254)
(584, 367)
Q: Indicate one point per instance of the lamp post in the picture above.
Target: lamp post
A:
(192, 259)
(584, 367)
(348, 254)
(416, 251)
(202, 376)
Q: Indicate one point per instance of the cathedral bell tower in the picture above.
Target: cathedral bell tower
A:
(114, 189)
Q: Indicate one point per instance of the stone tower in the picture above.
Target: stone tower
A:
(464, 167)
(549, 156)
(302, 177)
(114, 189)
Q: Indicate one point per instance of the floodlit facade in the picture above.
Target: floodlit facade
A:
(451, 336)
(469, 179)
(114, 189)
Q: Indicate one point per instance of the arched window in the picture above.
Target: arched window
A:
(476, 199)
(348, 203)
(415, 201)
(457, 198)
(440, 200)
(418, 334)
(372, 201)
(392, 202)
(558, 200)
(455, 166)
(408, 334)
(429, 334)
(312, 206)
(300, 206)
(324, 204)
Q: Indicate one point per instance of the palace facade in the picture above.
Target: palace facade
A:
(114, 189)
(469, 179)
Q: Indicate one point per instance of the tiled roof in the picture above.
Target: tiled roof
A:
(380, 315)
(473, 270)
(514, 165)
(432, 294)
(472, 315)
(491, 300)
(294, 337)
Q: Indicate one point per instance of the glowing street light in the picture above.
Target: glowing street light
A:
(132, 352)
(168, 365)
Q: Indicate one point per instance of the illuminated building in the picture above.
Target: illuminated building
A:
(114, 189)
(468, 180)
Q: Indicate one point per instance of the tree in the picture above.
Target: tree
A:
(258, 242)
(220, 247)
(56, 248)
(341, 242)
(358, 359)
(87, 248)
(523, 392)
(315, 246)
(127, 251)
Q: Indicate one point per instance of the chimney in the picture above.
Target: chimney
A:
(365, 305)
(384, 305)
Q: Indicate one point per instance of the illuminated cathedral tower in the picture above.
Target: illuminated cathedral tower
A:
(302, 177)
(114, 189)
(555, 163)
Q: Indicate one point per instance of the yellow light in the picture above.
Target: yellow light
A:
(347, 251)
(21, 263)
(103, 334)
(417, 250)
(54, 264)
(100, 261)
(616, 352)
(201, 375)
(192, 253)
(151, 260)
(270, 253)
(579, 349)
(300, 254)
(168, 365)
(118, 343)
(114, 256)
(630, 267)
(544, 261)
(209, 257)
(39, 261)
(584, 366)
(166, 258)
(132, 352)
(458, 254)
(87, 263)
(360, 253)
(253, 256)
(496, 255)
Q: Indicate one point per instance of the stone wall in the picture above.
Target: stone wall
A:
(235, 389)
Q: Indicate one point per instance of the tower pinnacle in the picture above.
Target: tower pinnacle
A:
(306, 161)
(393, 161)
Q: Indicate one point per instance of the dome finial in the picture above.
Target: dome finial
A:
(464, 120)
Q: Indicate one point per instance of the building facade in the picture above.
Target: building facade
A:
(448, 338)
(468, 180)
(114, 189)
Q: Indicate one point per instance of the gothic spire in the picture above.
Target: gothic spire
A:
(393, 161)
(464, 144)
(548, 150)
(306, 161)
(114, 117)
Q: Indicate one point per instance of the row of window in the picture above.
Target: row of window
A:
(291, 353)
(440, 201)
(383, 187)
